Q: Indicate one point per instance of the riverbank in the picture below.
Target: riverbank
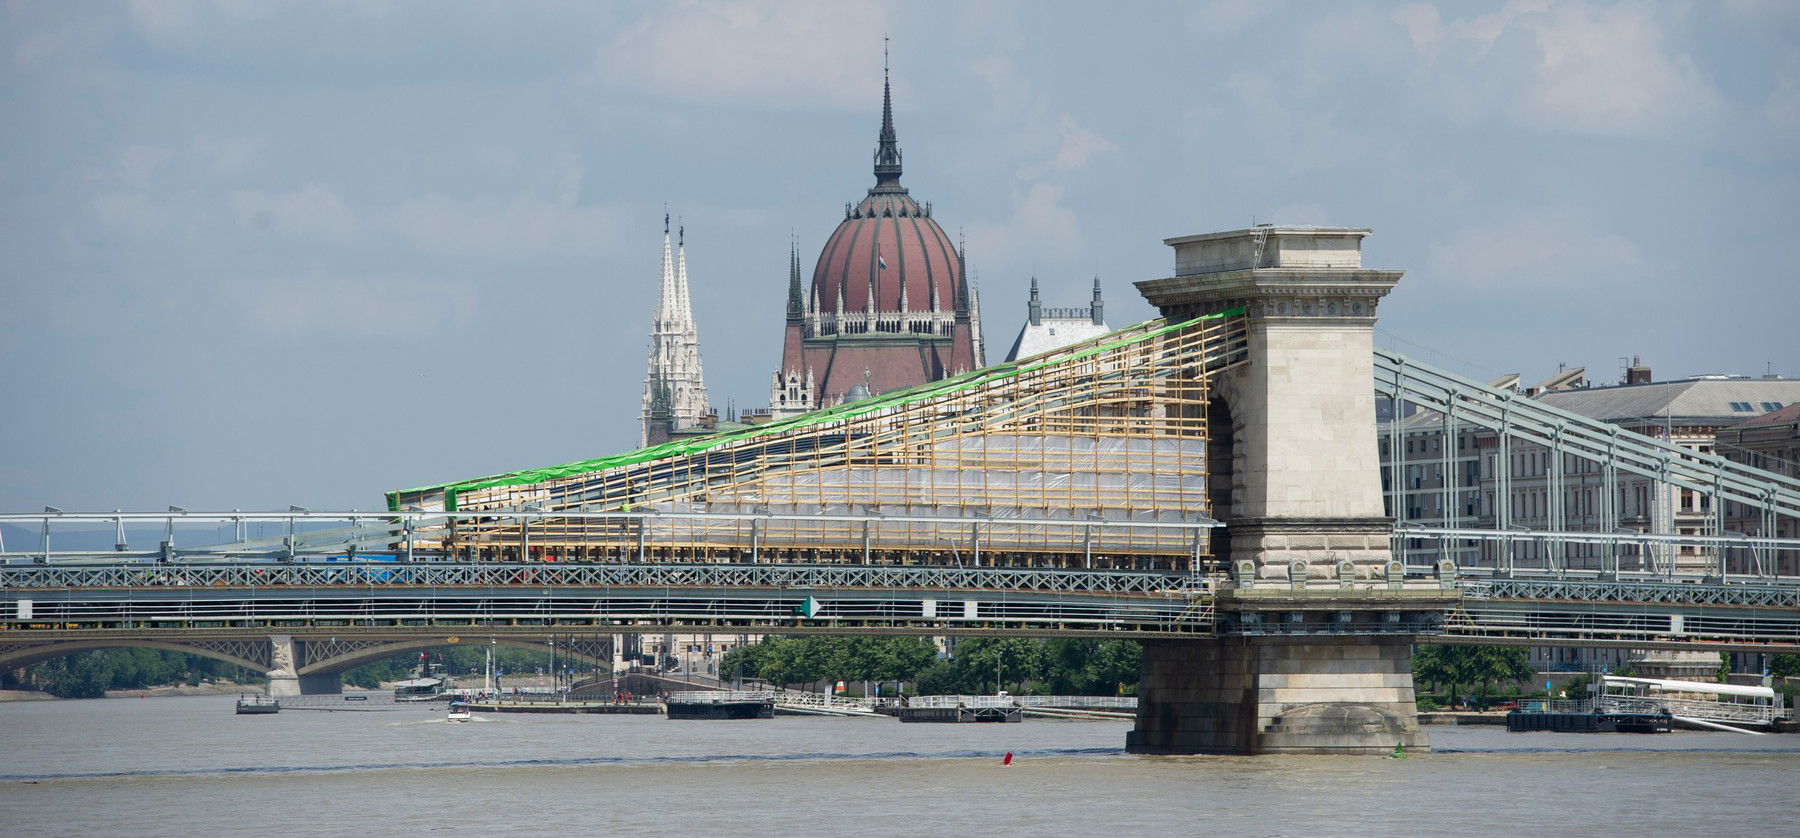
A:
(1462, 717)
(164, 691)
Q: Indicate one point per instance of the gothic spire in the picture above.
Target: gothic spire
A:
(674, 371)
(961, 305)
(887, 150)
(796, 308)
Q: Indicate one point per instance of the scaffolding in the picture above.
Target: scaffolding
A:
(1090, 456)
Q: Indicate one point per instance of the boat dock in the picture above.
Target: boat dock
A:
(962, 709)
(721, 704)
(589, 707)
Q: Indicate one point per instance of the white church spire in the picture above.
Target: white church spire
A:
(674, 344)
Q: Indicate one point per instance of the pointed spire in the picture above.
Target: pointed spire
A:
(1034, 310)
(975, 321)
(962, 280)
(1097, 308)
(796, 302)
(674, 376)
(887, 149)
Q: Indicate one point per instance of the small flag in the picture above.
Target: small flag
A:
(879, 259)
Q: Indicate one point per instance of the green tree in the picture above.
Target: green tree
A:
(90, 674)
(1474, 666)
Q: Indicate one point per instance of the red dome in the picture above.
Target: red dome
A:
(887, 227)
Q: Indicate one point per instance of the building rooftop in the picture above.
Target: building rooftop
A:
(1696, 401)
(1785, 416)
(1047, 329)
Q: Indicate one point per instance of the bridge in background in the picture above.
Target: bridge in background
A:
(1208, 483)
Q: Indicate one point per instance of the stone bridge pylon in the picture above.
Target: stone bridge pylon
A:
(1316, 622)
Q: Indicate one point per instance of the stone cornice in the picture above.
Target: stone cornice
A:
(1276, 293)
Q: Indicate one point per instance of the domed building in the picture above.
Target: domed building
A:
(889, 305)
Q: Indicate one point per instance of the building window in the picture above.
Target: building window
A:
(1768, 406)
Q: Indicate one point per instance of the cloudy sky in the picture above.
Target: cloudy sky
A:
(259, 253)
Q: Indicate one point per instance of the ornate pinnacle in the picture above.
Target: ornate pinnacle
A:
(887, 150)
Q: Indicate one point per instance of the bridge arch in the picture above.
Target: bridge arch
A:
(250, 654)
(327, 658)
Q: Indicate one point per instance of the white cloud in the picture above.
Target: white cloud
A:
(165, 18)
(315, 305)
(1782, 108)
(765, 52)
(1563, 66)
(228, 156)
(1541, 250)
(138, 163)
(1078, 144)
(1040, 227)
(1608, 70)
(1225, 17)
(39, 46)
(176, 20)
(311, 212)
(514, 228)
(131, 212)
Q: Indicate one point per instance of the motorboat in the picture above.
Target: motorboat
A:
(459, 712)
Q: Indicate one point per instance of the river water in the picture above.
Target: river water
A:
(188, 767)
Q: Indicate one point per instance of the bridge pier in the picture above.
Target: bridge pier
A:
(1275, 695)
(285, 680)
(1313, 652)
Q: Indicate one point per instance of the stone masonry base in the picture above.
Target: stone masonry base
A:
(1268, 695)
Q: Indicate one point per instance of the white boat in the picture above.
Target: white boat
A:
(420, 689)
(257, 705)
(459, 712)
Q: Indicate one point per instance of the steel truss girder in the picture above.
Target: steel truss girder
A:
(602, 610)
(487, 574)
(336, 653)
(1404, 379)
(1579, 624)
(1635, 592)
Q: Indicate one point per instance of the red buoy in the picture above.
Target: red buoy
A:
(1008, 759)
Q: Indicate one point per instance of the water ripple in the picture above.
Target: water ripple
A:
(557, 762)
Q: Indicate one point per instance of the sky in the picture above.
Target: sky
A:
(256, 253)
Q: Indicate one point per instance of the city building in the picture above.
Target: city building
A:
(1046, 329)
(888, 306)
(1770, 442)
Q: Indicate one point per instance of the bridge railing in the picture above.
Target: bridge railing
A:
(820, 701)
(718, 696)
(502, 575)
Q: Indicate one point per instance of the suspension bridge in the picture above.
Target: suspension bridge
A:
(1211, 483)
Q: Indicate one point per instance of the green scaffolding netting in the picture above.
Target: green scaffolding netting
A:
(1105, 343)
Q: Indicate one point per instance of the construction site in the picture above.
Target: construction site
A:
(1093, 456)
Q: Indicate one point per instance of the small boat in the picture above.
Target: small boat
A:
(257, 705)
(459, 712)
